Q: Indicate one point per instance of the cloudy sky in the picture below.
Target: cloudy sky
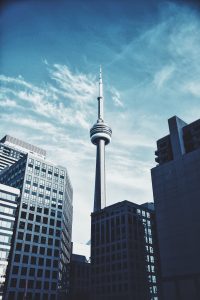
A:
(50, 56)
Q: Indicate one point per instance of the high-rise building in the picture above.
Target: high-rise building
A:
(8, 206)
(80, 271)
(42, 245)
(124, 253)
(12, 149)
(176, 192)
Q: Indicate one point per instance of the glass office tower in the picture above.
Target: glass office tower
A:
(8, 206)
(41, 249)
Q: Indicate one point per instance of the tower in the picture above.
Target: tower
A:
(100, 135)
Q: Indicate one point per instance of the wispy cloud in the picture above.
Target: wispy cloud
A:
(116, 97)
(163, 75)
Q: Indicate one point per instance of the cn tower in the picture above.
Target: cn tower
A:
(100, 135)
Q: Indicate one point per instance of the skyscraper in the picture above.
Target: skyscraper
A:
(100, 135)
(176, 192)
(42, 245)
(12, 149)
(124, 253)
(8, 207)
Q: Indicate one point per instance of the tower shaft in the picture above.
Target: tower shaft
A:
(100, 184)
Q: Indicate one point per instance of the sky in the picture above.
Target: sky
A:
(49, 63)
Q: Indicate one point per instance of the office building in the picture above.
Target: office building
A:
(176, 192)
(42, 247)
(8, 206)
(80, 272)
(124, 253)
(12, 149)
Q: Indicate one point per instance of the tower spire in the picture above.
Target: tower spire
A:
(100, 97)
(100, 135)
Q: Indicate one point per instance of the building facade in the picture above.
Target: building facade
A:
(8, 207)
(124, 253)
(12, 149)
(176, 192)
(42, 245)
(80, 278)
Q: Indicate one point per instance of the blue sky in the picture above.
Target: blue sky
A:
(50, 57)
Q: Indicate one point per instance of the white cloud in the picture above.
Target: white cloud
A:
(116, 97)
(163, 75)
(8, 103)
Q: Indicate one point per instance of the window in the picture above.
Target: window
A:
(44, 229)
(27, 248)
(48, 262)
(25, 259)
(37, 227)
(49, 252)
(37, 163)
(20, 235)
(52, 222)
(45, 220)
(39, 272)
(21, 225)
(46, 211)
(28, 237)
(23, 271)
(32, 207)
(31, 216)
(32, 272)
(23, 215)
(50, 241)
(39, 209)
(43, 239)
(35, 238)
(31, 161)
(55, 263)
(34, 249)
(29, 178)
(38, 219)
(48, 185)
(42, 183)
(33, 260)
(47, 273)
(58, 223)
(53, 213)
(35, 181)
(17, 257)
(42, 250)
(46, 285)
(24, 205)
(15, 270)
(34, 189)
(41, 261)
(13, 282)
(57, 243)
(51, 231)
(19, 247)
(30, 284)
